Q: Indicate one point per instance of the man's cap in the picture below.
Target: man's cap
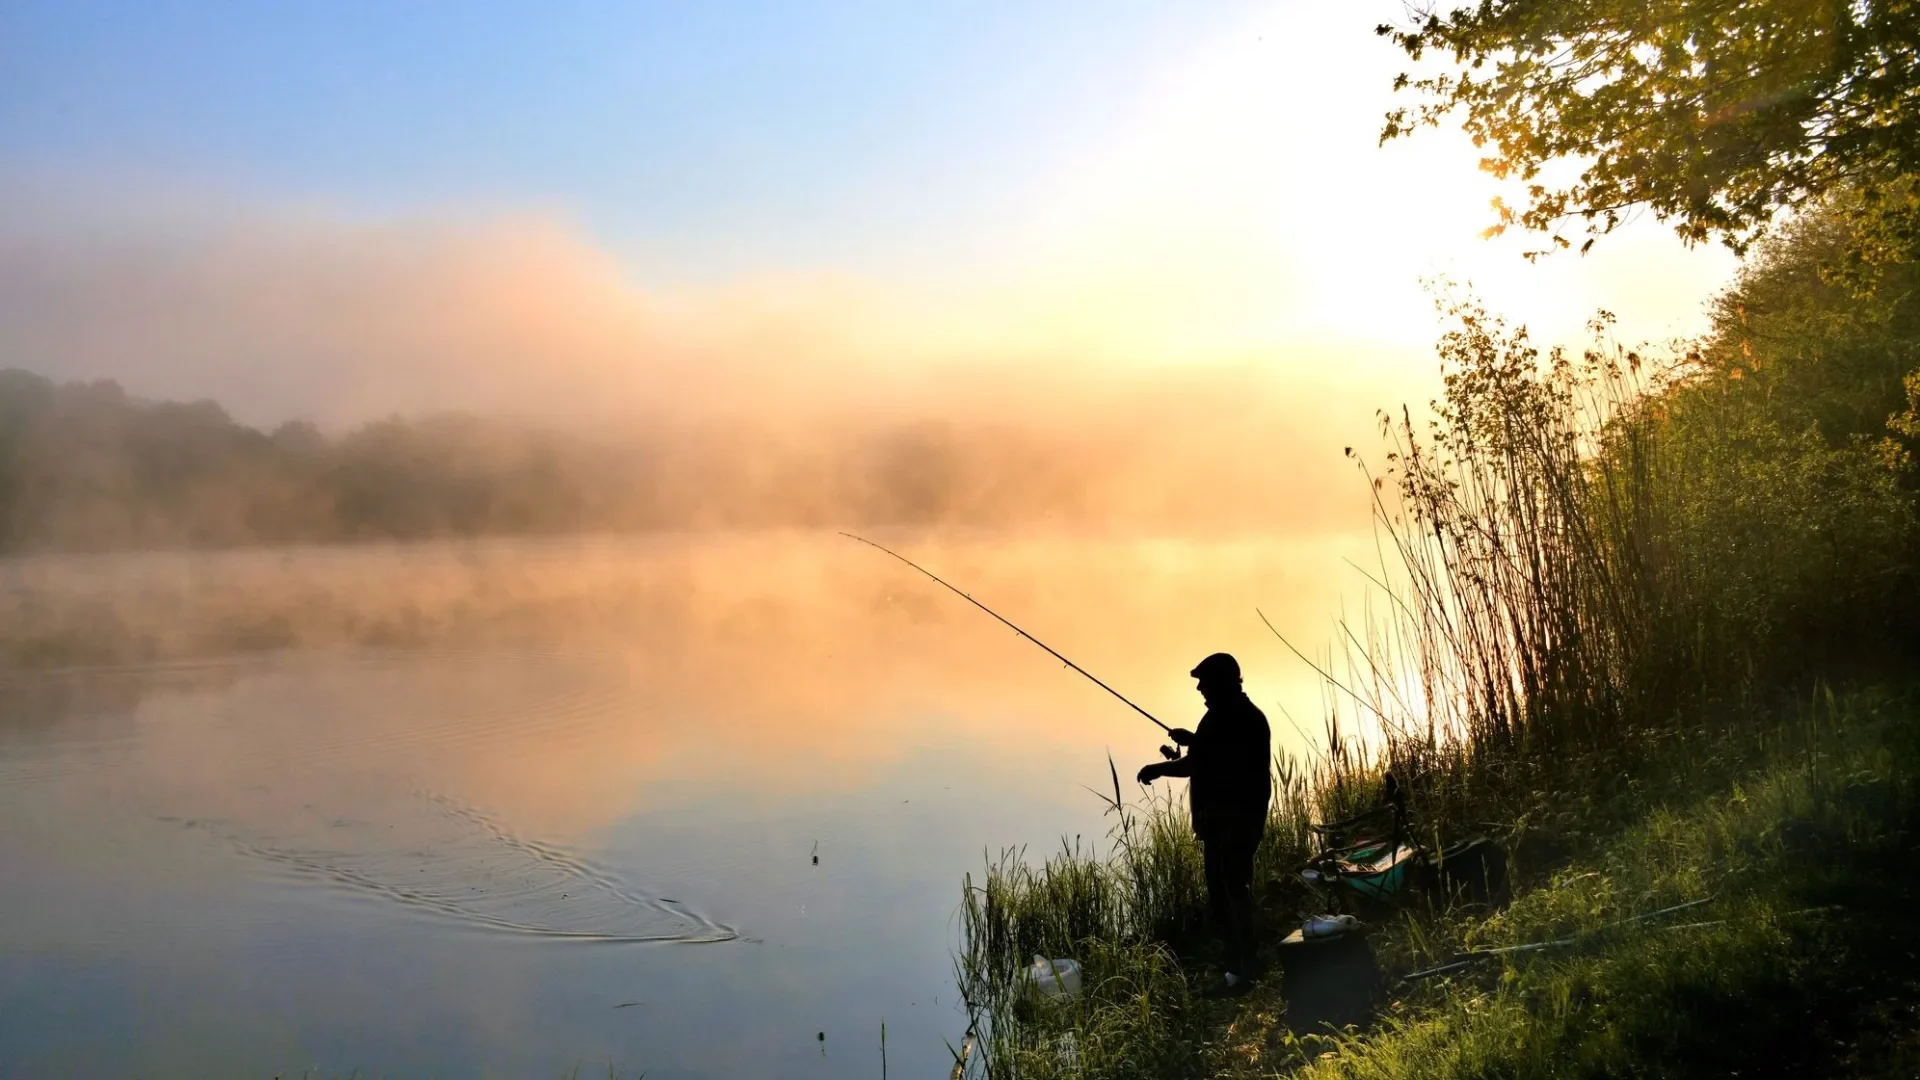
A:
(1219, 667)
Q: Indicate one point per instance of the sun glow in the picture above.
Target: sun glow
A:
(1242, 208)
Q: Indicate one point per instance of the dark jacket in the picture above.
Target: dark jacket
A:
(1230, 779)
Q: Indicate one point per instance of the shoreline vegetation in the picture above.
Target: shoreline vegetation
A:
(1648, 625)
(1788, 841)
(86, 467)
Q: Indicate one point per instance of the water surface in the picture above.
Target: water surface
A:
(504, 809)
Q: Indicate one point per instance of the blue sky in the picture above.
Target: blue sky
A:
(705, 138)
(337, 209)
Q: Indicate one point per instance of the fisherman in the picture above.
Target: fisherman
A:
(1229, 786)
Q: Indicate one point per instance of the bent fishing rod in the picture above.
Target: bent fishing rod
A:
(1015, 629)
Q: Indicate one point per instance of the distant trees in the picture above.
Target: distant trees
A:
(1714, 114)
(82, 462)
(85, 467)
(455, 475)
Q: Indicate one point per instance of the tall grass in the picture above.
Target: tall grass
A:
(1534, 615)
(1585, 556)
(1577, 621)
(1798, 964)
(1128, 915)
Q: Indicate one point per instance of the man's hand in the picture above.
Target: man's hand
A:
(1181, 736)
(1148, 774)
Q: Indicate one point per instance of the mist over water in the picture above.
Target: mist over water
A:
(239, 374)
(496, 808)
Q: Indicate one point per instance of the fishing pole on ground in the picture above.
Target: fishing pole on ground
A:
(1473, 956)
(1009, 625)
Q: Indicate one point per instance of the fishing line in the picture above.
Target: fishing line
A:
(1304, 739)
(1015, 629)
(1327, 675)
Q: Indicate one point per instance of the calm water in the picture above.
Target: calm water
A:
(502, 810)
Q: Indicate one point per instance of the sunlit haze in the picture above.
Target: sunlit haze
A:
(305, 212)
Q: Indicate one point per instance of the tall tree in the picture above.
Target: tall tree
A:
(1712, 114)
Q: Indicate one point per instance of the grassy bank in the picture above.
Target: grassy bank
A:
(1794, 828)
(1610, 589)
(1800, 961)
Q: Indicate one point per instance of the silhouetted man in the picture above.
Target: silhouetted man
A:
(1229, 785)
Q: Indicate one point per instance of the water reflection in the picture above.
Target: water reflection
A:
(393, 842)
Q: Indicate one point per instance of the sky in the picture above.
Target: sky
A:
(334, 211)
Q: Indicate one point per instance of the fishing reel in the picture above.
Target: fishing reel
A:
(1170, 753)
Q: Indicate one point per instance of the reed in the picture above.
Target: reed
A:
(1581, 614)
(1797, 962)
(1129, 914)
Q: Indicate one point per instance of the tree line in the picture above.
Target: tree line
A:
(86, 466)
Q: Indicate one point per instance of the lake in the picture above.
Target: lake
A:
(511, 808)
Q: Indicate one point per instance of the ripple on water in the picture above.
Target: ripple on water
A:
(319, 724)
(468, 867)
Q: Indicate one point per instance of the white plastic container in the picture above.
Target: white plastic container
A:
(1054, 980)
(1326, 926)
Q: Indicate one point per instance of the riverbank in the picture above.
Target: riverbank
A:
(1791, 833)
(1612, 598)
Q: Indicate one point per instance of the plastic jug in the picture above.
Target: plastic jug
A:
(1054, 979)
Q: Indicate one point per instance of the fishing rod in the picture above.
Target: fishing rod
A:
(1014, 628)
